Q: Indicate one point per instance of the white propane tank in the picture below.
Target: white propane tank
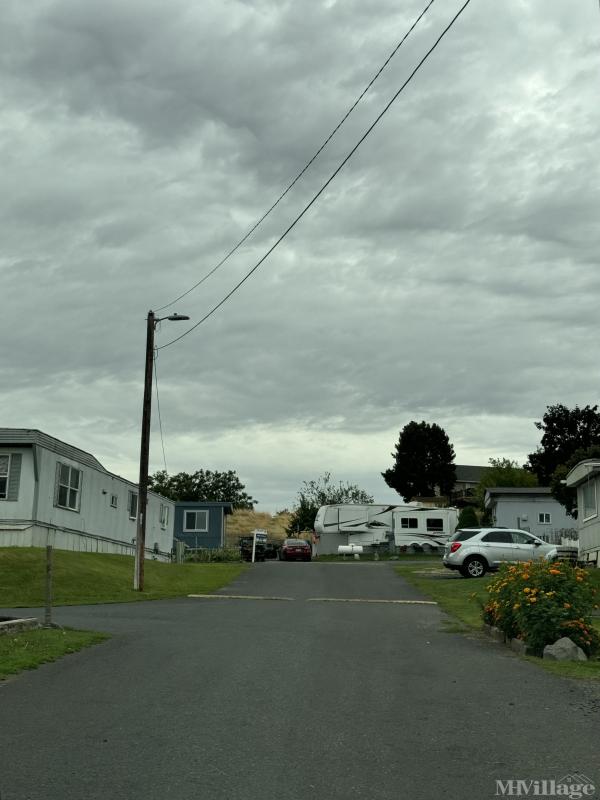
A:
(350, 549)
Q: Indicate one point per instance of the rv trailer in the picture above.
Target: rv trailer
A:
(406, 525)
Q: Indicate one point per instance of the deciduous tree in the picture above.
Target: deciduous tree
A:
(223, 487)
(565, 431)
(321, 492)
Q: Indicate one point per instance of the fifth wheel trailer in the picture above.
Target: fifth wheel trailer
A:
(406, 525)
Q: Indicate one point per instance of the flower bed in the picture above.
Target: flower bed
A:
(540, 602)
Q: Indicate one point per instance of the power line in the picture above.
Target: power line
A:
(307, 165)
(162, 441)
(329, 180)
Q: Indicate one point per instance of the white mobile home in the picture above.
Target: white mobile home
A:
(585, 478)
(406, 525)
(54, 493)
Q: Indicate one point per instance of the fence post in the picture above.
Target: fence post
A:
(48, 609)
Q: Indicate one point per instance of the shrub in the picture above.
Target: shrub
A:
(540, 602)
(218, 554)
(467, 518)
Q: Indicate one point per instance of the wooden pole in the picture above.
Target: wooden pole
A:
(48, 608)
(140, 541)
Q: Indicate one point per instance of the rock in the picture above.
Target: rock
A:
(497, 635)
(564, 650)
(520, 647)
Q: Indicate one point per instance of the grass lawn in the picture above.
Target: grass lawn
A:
(82, 578)
(463, 599)
(29, 649)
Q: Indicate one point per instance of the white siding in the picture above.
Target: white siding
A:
(95, 516)
(23, 507)
(589, 530)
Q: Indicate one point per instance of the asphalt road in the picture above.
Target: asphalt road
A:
(289, 699)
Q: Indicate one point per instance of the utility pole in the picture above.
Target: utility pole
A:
(140, 539)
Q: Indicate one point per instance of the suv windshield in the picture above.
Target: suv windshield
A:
(462, 536)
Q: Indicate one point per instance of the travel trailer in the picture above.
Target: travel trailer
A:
(406, 525)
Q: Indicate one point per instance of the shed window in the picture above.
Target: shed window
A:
(4, 465)
(590, 508)
(164, 515)
(195, 522)
(409, 522)
(68, 487)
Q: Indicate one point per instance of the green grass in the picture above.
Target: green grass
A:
(463, 598)
(83, 578)
(29, 649)
(460, 597)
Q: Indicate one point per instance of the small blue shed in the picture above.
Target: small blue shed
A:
(201, 524)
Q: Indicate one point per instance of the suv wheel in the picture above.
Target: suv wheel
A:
(474, 567)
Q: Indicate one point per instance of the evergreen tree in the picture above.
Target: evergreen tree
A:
(423, 462)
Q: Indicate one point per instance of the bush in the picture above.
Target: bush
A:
(218, 554)
(467, 518)
(541, 602)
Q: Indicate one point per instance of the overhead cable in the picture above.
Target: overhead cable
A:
(307, 165)
(329, 180)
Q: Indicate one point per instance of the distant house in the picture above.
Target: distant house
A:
(467, 481)
(585, 478)
(201, 524)
(54, 493)
(532, 509)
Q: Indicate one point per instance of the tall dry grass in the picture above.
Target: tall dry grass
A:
(243, 521)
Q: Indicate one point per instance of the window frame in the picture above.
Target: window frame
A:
(163, 515)
(7, 476)
(60, 465)
(196, 529)
(132, 513)
(434, 528)
(544, 521)
(589, 484)
(408, 526)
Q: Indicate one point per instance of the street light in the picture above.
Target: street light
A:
(140, 540)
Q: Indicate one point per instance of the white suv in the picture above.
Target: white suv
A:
(475, 551)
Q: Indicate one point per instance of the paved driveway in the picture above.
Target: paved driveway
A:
(289, 699)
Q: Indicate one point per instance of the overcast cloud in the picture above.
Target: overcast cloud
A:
(450, 273)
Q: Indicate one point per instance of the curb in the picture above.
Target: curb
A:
(15, 625)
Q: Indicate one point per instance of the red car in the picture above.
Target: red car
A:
(295, 549)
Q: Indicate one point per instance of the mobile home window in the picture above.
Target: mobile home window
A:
(68, 487)
(589, 499)
(4, 465)
(195, 521)
(409, 522)
(544, 518)
(435, 524)
(132, 505)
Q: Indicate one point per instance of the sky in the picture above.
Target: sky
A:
(449, 273)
